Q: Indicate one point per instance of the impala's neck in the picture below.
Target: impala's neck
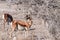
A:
(29, 19)
(29, 22)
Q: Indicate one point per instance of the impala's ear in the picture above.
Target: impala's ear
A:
(26, 15)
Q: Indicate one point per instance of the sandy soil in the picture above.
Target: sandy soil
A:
(45, 16)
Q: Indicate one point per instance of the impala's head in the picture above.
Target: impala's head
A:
(28, 17)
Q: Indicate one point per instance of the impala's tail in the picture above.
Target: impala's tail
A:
(7, 18)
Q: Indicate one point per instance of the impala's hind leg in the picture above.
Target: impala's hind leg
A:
(12, 32)
(13, 28)
(4, 25)
(3, 21)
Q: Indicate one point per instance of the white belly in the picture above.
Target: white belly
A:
(20, 27)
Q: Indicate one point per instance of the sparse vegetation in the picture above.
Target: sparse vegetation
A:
(45, 16)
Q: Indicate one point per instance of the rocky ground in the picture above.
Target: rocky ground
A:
(45, 16)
